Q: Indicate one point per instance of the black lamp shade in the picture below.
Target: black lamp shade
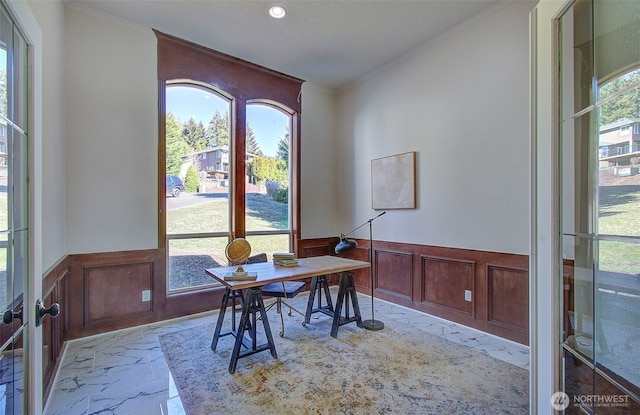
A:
(345, 245)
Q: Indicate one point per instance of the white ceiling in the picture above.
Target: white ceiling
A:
(330, 43)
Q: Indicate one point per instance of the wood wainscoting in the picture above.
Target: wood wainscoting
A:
(105, 290)
(54, 330)
(102, 292)
(435, 280)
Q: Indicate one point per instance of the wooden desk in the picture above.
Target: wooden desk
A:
(267, 273)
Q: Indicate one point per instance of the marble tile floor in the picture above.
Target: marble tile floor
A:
(125, 373)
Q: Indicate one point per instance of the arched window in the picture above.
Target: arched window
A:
(228, 159)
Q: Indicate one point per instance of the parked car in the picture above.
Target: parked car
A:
(174, 186)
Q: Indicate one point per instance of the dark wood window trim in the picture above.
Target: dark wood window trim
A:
(179, 59)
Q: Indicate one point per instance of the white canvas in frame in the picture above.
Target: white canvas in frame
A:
(393, 181)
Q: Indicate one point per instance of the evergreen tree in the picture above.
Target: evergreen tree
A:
(194, 135)
(626, 105)
(252, 146)
(175, 146)
(191, 181)
(217, 133)
(282, 172)
(283, 149)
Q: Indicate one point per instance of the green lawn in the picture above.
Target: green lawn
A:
(213, 216)
(189, 257)
(619, 214)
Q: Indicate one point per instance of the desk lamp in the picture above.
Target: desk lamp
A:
(348, 244)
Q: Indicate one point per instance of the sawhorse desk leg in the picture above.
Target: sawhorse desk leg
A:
(252, 305)
(346, 292)
(228, 296)
(319, 285)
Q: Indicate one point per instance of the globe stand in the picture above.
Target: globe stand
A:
(240, 272)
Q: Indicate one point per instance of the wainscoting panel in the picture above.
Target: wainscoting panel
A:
(393, 274)
(54, 330)
(506, 283)
(361, 277)
(434, 279)
(105, 291)
(445, 281)
(115, 291)
(49, 337)
(316, 247)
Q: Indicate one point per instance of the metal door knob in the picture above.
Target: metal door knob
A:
(10, 315)
(41, 311)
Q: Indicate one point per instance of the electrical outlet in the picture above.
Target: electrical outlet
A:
(146, 295)
(467, 295)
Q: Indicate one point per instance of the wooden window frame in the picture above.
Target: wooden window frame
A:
(247, 83)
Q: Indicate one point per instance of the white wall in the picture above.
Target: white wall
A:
(50, 17)
(318, 176)
(461, 102)
(112, 135)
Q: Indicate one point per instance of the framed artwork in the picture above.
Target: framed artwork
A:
(393, 181)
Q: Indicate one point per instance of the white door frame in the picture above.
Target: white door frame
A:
(29, 27)
(544, 316)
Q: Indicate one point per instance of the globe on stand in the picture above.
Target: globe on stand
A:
(237, 252)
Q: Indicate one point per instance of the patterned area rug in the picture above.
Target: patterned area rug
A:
(398, 370)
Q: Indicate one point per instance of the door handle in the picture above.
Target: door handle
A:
(41, 311)
(10, 315)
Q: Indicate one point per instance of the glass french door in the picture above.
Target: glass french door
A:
(600, 205)
(14, 226)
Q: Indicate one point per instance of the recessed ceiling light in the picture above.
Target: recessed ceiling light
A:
(277, 12)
